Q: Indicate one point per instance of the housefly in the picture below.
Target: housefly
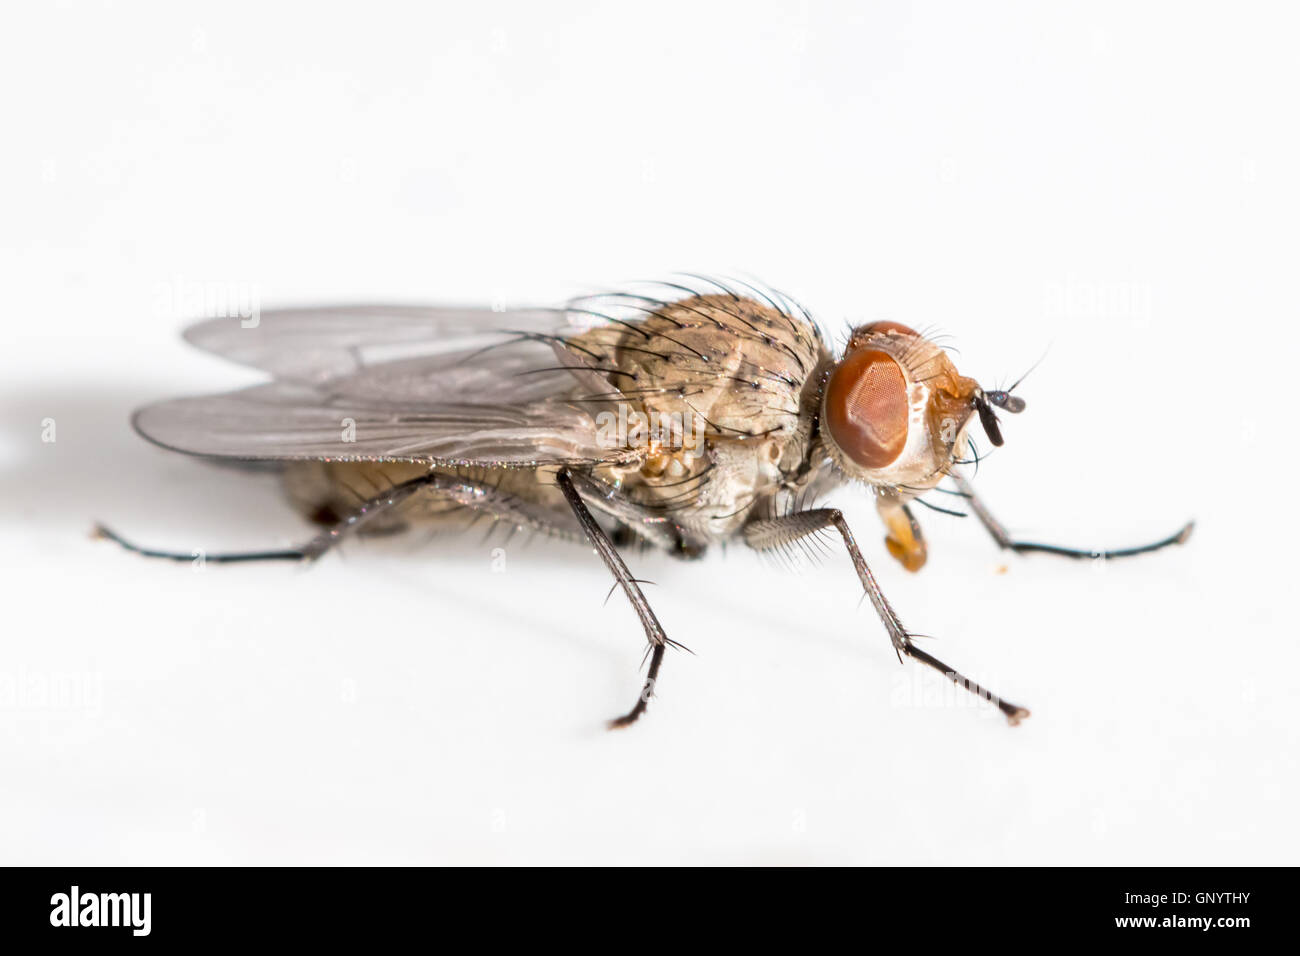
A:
(680, 416)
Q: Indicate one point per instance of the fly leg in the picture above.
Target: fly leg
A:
(765, 533)
(636, 522)
(309, 551)
(654, 632)
(467, 492)
(1006, 542)
(229, 557)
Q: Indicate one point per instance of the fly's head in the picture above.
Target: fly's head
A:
(895, 410)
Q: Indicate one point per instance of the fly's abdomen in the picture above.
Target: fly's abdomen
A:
(328, 492)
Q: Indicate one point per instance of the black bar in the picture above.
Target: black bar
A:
(372, 907)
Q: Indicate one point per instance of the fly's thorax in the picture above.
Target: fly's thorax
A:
(708, 493)
(894, 409)
(721, 364)
(709, 391)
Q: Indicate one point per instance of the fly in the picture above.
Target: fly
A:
(703, 413)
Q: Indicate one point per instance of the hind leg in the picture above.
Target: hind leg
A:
(465, 492)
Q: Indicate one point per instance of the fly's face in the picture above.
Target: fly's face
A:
(895, 410)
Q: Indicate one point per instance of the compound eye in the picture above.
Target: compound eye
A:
(866, 408)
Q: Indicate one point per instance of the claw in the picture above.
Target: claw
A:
(1016, 716)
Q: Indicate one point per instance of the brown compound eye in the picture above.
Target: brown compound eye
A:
(866, 408)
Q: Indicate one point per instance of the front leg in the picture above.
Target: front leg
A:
(1006, 542)
(767, 533)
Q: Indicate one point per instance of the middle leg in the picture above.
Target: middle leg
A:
(654, 632)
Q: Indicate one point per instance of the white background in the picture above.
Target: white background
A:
(1114, 184)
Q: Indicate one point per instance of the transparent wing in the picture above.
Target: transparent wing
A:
(448, 384)
(316, 345)
(439, 385)
(288, 421)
